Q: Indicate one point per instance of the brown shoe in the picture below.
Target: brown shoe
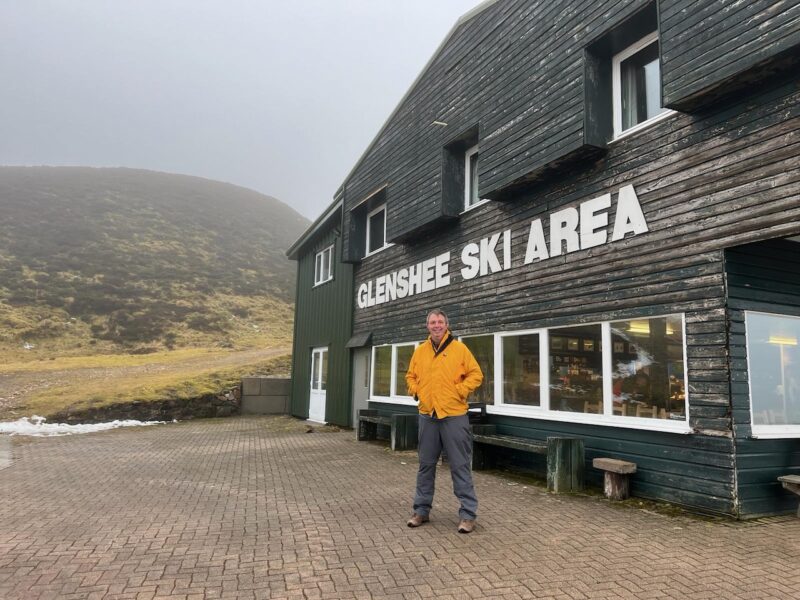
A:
(417, 520)
(466, 525)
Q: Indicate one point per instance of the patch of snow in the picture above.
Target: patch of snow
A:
(36, 426)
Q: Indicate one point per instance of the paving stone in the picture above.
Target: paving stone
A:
(231, 508)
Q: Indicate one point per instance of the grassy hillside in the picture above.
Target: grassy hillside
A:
(120, 260)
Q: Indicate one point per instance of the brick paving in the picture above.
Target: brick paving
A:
(255, 508)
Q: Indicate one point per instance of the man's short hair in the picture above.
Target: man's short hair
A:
(437, 311)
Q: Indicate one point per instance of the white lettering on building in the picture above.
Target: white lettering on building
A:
(571, 229)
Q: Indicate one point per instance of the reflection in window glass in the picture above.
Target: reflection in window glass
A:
(641, 86)
(482, 348)
(315, 370)
(376, 227)
(404, 354)
(773, 355)
(576, 375)
(521, 383)
(647, 365)
(382, 371)
(323, 378)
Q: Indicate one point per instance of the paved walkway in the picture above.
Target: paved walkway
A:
(257, 508)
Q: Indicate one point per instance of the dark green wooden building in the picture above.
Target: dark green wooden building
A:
(605, 198)
(321, 363)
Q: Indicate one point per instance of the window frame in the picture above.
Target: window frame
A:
(607, 418)
(543, 411)
(544, 373)
(317, 365)
(321, 257)
(370, 214)
(393, 398)
(461, 339)
(616, 88)
(468, 154)
(393, 383)
(761, 431)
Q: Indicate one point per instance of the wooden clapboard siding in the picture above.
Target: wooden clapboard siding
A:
(323, 317)
(705, 183)
(516, 71)
(764, 277)
(496, 72)
(707, 45)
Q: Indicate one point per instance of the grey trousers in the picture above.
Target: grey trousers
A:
(454, 434)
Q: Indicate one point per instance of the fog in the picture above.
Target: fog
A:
(279, 96)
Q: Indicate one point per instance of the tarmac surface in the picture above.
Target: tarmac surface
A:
(258, 508)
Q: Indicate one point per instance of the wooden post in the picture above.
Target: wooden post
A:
(616, 476)
(367, 430)
(791, 483)
(565, 464)
(482, 458)
(405, 432)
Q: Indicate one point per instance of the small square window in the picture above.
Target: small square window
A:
(323, 266)
(376, 230)
(636, 85)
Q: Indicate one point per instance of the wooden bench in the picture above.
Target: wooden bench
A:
(616, 481)
(403, 428)
(565, 456)
(791, 483)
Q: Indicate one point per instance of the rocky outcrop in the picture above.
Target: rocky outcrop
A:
(224, 404)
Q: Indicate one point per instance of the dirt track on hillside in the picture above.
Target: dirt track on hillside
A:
(16, 387)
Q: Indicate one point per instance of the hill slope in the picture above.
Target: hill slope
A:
(120, 258)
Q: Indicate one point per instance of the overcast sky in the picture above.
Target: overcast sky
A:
(282, 96)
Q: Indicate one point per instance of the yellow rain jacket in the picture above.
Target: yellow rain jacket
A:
(441, 379)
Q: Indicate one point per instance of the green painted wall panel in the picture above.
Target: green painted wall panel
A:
(323, 317)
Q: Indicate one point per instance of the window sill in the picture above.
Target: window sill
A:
(643, 125)
(401, 400)
(646, 424)
(476, 205)
(775, 432)
(321, 283)
(378, 251)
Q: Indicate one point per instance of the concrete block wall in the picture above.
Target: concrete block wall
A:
(265, 395)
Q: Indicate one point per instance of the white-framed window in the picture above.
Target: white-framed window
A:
(323, 266)
(627, 373)
(524, 376)
(482, 348)
(471, 193)
(389, 366)
(636, 86)
(401, 359)
(376, 230)
(773, 367)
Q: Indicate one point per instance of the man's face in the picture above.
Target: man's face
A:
(437, 325)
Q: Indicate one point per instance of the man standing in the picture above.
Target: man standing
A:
(441, 375)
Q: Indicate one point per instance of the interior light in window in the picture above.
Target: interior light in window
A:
(782, 341)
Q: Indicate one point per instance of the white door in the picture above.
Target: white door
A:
(361, 357)
(319, 381)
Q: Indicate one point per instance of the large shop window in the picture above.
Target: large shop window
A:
(629, 373)
(773, 360)
(648, 373)
(576, 369)
(519, 355)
